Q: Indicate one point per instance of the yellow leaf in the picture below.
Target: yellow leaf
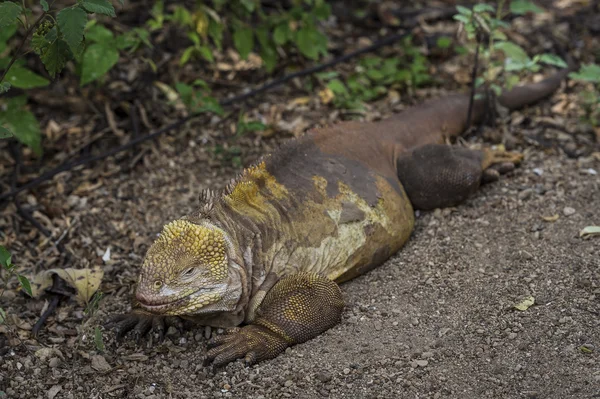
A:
(298, 101)
(590, 231)
(552, 218)
(326, 95)
(525, 303)
(85, 281)
(201, 21)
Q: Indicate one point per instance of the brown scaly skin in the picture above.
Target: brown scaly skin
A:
(337, 202)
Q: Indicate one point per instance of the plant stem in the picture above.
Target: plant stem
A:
(18, 50)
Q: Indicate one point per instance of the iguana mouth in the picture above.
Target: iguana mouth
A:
(160, 305)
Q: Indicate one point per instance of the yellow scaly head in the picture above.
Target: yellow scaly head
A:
(186, 271)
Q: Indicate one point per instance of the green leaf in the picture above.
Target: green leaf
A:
(25, 284)
(374, 74)
(103, 7)
(5, 133)
(205, 52)
(4, 87)
(99, 34)
(22, 123)
(97, 60)
(337, 87)
(520, 7)
(5, 258)
(44, 4)
(307, 41)
(552, 59)
(243, 38)
(322, 10)
(56, 56)
(282, 34)
(9, 12)
(513, 51)
(187, 55)
(5, 34)
(464, 10)
(98, 341)
(478, 8)
(71, 22)
(443, 42)
(23, 78)
(462, 18)
(587, 73)
(249, 5)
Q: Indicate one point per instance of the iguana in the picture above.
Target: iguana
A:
(269, 251)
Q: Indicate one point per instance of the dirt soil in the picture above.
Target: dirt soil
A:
(435, 321)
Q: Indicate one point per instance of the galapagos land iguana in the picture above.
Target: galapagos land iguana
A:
(269, 251)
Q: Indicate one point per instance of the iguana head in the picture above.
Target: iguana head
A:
(187, 271)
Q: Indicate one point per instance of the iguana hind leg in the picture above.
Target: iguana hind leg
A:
(298, 308)
(438, 176)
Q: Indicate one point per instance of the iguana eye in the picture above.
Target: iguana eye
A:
(189, 272)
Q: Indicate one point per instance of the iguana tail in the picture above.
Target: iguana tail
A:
(436, 120)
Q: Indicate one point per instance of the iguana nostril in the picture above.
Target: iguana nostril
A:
(158, 284)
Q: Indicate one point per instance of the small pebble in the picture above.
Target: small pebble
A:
(568, 211)
(54, 362)
(346, 371)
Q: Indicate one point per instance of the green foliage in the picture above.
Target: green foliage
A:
(244, 126)
(374, 75)
(197, 98)
(98, 341)
(503, 60)
(9, 12)
(590, 99)
(22, 123)
(100, 55)
(9, 267)
(250, 28)
(587, 73)
(103, 7)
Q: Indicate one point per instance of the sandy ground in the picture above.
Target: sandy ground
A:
(435, 321)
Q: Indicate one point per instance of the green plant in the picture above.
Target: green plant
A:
(250, 28)
(57, 37)
(590, 99)
(197, 98)
(502, 60)
(374, 76)
(248, 126)
(10, 271)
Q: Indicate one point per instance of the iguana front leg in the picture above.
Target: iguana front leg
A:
(141, 322)
(298, 308)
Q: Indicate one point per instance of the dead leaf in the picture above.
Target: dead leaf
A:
(85, 281)
(326, 95)
(167, 91)
(552, 218)
(525, 303)
(590, 231)
(297, 102)
(99, 363)
(46, 353)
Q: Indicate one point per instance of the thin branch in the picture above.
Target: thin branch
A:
(473, 81)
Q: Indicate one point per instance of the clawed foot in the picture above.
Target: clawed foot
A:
(140, 324)
(252, 343)
(499, 162)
